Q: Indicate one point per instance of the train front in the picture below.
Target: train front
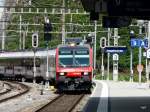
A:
(74, 67)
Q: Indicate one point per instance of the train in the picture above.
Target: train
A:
(19, 65)
(69, 66)
(74, 67)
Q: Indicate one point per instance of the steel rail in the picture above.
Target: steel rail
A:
(7, 90)
(25, 90)
(63, 103)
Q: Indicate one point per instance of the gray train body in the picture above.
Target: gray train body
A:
(19, 65)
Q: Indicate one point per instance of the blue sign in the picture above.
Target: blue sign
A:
(139, 43)
(115, 49)
(145, 43)
(74, 40)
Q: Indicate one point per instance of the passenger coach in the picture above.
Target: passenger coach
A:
(19, 65)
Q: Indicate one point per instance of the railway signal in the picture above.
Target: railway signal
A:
(89, 39)
(132, 34)
(34, 45)
(47, 30)
(35, 40)
(47, 38)
(102, 45)
(103, 42)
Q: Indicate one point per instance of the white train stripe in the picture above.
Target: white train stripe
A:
(26, 54)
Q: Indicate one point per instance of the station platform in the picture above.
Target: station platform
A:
(98, 99)
(110, 96)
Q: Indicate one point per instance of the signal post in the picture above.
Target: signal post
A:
(102, 46)
(132, 36)
(34, 45)
(47, 38)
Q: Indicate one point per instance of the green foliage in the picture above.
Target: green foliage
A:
(14, 34)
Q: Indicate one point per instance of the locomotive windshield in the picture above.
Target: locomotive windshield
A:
(73, 57)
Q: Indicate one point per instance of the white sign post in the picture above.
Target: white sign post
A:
(148, 53)
(148, 70)
(115, 62)
(115, 57)
(115, 67)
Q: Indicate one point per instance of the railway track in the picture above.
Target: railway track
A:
(63, 103)
(16, 90)
(7, 90)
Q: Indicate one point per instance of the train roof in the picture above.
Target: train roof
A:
(27, 54)
(77, 46)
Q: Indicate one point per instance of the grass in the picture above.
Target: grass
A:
(121, 77)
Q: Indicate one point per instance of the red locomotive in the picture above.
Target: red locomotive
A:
(74, 67)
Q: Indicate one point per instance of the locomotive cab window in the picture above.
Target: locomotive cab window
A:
(65, 58)
(82, 57)
(74, 57)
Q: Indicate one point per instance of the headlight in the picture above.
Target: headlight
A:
(85, 73)
(61, 73)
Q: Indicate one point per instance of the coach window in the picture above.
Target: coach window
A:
(29, 67)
